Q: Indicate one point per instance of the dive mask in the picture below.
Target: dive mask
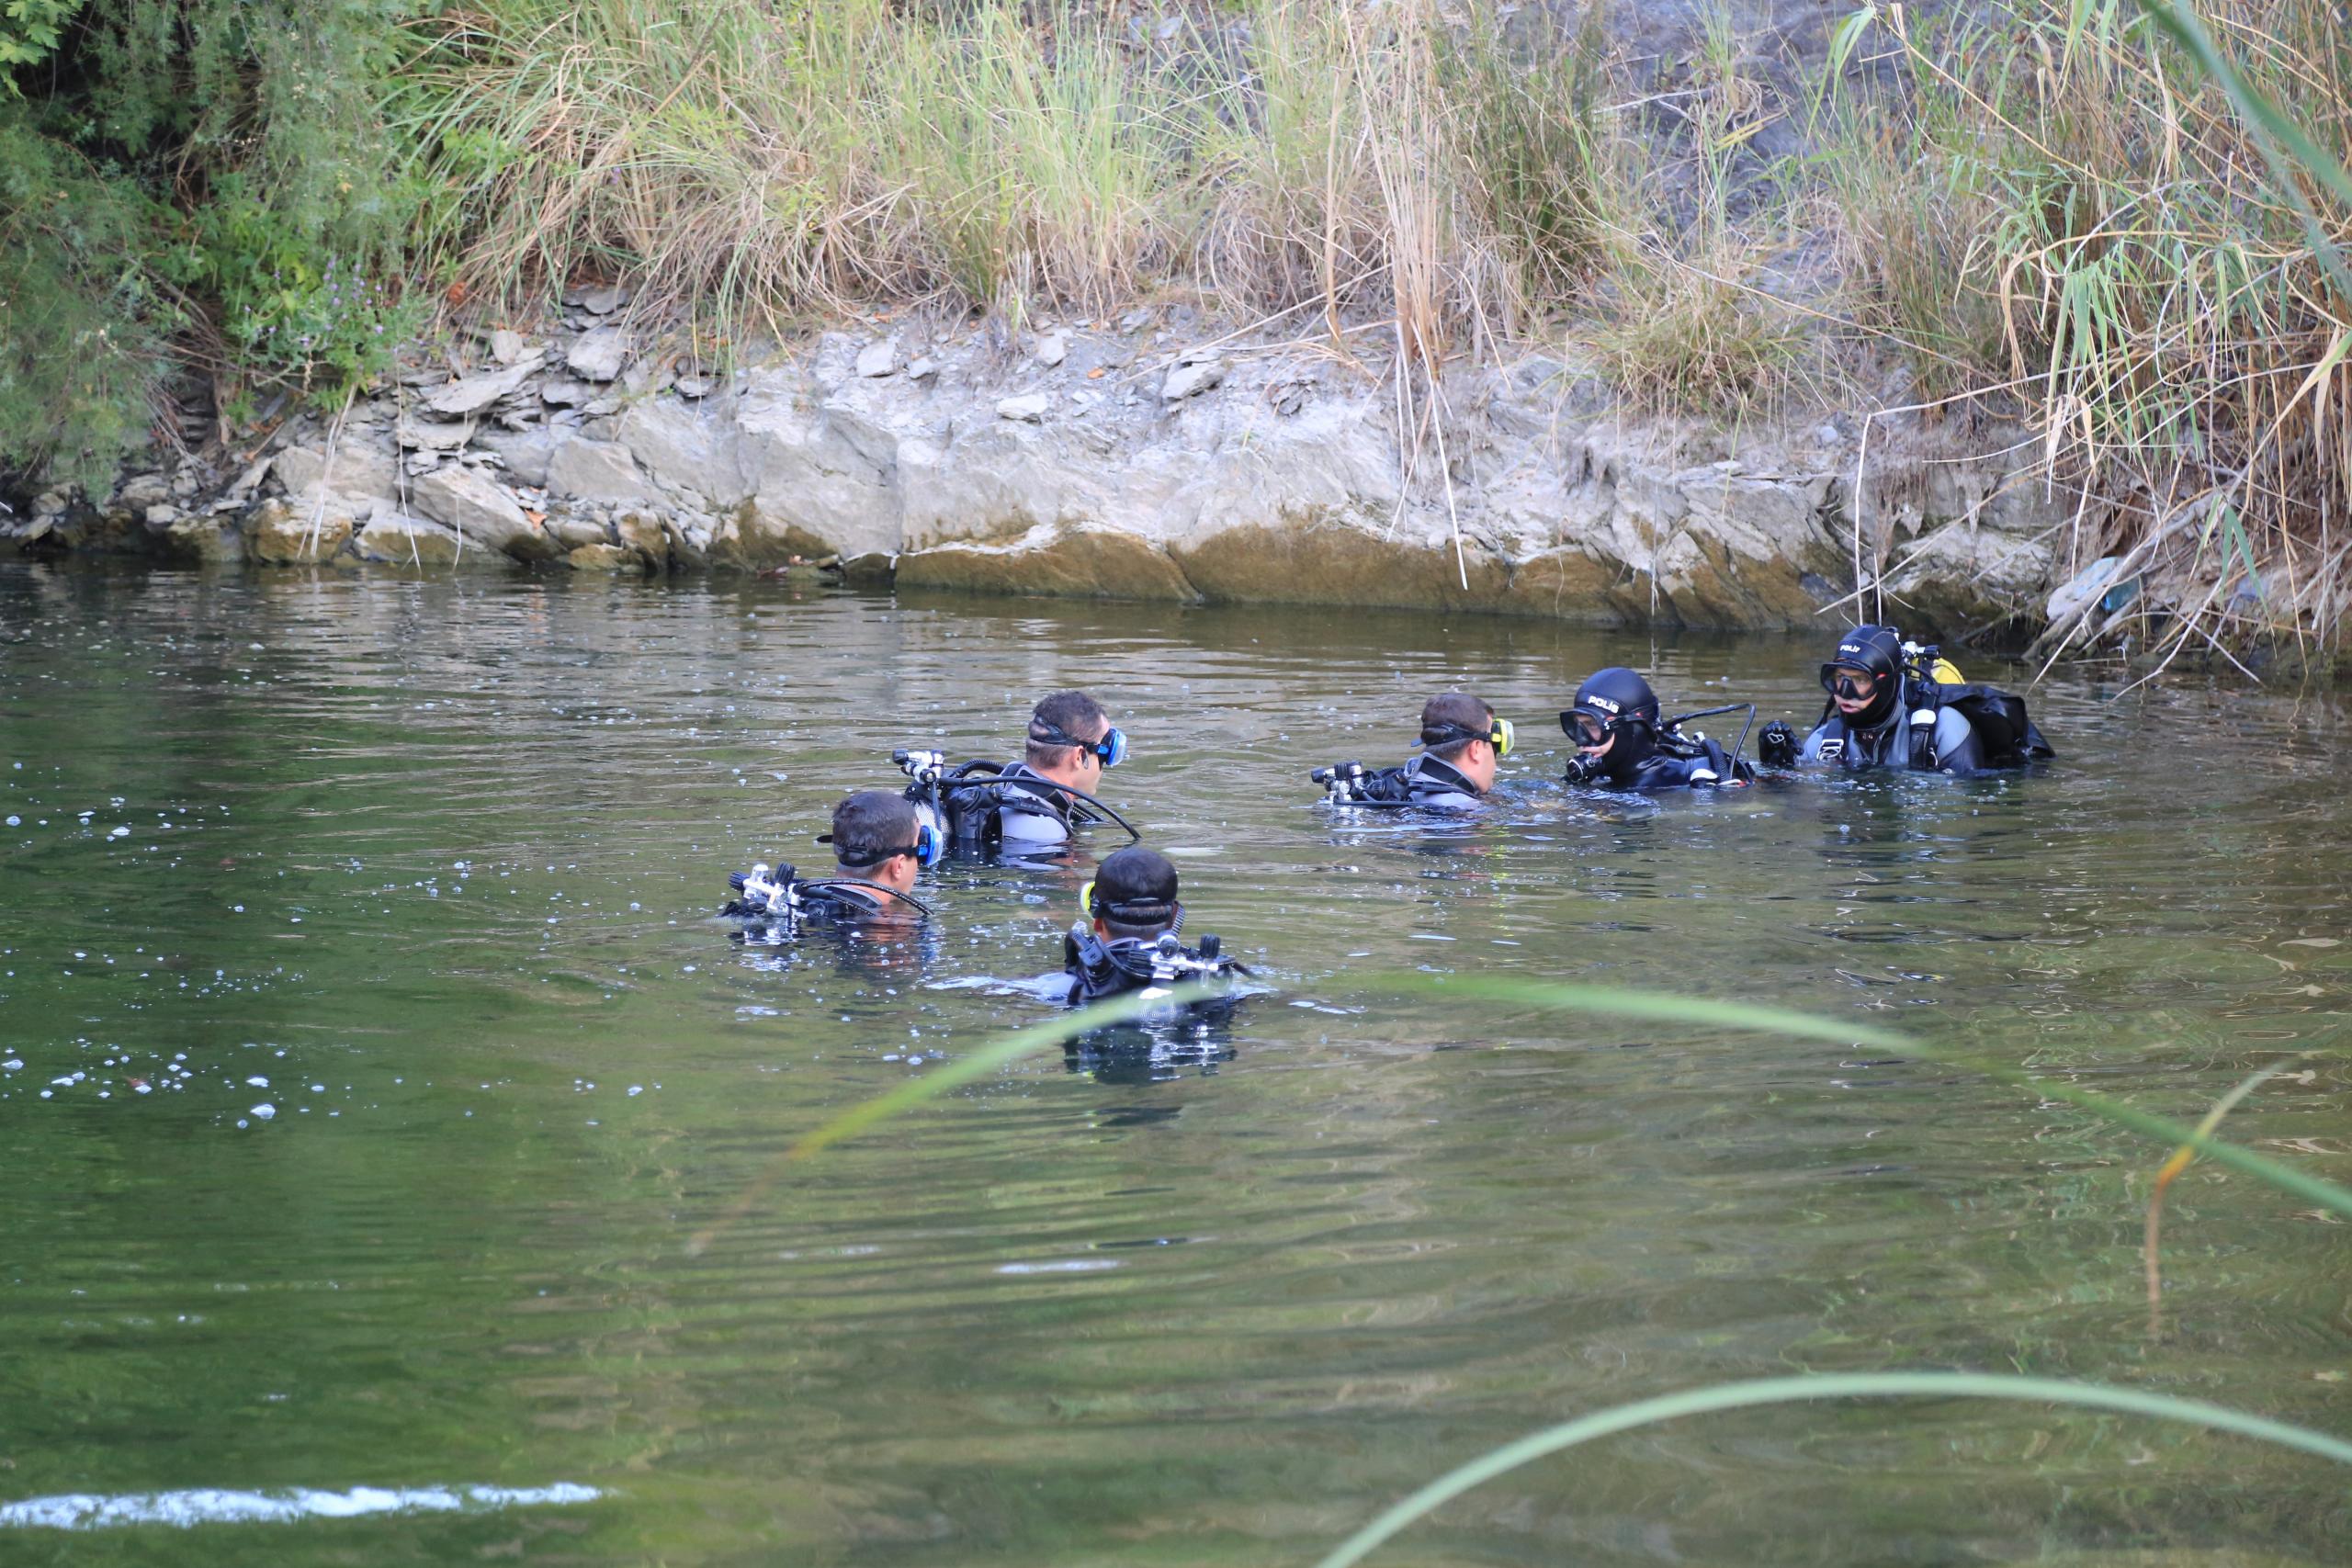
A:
(1845, 681)
(1586, 729)
(1499, 735)
(1112, 748)
(928, 849)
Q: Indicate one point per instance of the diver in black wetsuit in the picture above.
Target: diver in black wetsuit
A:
(1128, 940)
(1034, 805)
(877, 843)
(1462, 743)
(1623, 744)
(1897, 705)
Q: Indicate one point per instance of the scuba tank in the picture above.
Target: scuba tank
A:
(965, 803)
(2005, 731)
(782, 896)
(1099, 969)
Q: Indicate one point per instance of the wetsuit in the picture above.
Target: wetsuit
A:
(1888, 745)
(1645, 765)
(1425, 781)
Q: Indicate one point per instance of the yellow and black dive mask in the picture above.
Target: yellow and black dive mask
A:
(1497, 734)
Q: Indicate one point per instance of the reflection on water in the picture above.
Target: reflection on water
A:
(429, 869)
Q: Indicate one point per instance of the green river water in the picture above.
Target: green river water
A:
(438, 862)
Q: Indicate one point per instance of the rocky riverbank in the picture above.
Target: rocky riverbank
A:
(1145, 458)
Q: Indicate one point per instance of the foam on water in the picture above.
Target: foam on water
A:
(214, 1506)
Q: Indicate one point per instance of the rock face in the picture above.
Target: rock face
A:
(1106, 461)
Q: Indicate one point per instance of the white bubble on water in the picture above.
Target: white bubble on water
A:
(257, 1081)
(263, 1111)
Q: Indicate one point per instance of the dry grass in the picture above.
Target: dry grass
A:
(766, 163)
(2075, 217)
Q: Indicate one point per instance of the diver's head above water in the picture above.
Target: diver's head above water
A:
(877, 838)
(1133, 896)
(1864, 677)
(1462, 731)
(1071, 740)
(1613, 721)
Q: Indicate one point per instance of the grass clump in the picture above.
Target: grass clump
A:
(2065, 208)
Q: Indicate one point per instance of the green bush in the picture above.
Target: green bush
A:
(209, 177)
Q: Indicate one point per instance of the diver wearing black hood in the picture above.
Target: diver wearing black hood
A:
(1621, 743)
(1869, 724)
(1127, 941)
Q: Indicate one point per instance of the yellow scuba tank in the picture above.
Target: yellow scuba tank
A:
(1939, 669)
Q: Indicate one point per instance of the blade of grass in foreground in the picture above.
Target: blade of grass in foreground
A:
(949, 1075)
(1549, 995)
(1834, 1386)
(1567, 996)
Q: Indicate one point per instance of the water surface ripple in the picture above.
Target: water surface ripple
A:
(425, 870)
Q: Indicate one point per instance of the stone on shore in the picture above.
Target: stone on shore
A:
(601, 471)
(598, 356)
(471, 394)
(481, 512)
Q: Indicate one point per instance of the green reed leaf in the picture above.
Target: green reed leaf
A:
(1836, 1385)
(1567, 997)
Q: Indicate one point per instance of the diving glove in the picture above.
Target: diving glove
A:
(1777, 746)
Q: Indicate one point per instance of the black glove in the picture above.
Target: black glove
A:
(1777, 746)
(1583, 769)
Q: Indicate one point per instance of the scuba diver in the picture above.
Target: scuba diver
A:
(1127, 939)
(878, 844)
(1033, 806)
(1623, 744)
(1462, 742)
(1895, 703)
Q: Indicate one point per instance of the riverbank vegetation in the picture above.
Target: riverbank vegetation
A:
(2050, 211)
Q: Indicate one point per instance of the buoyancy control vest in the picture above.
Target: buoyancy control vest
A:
(1953, 726)
(1098, 969)
(782, 898)
(982, 802)
(1431, 783)
(1670, 761)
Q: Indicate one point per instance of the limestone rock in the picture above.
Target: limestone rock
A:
(694, 452)
(142, 491)
(922, 369)
(471, 394)
(1191, 376)
(360, 470)
(597, 300)
(572, 533)
(879, 357)
(433, 435)
(563, 392)
(1049, 349)
(506, 346)
(1029, 408)
(598, 356)
(163, 514)
(642, 534)
(526, 453)
(277, 534)
(600, 557)
(481, 512)
(599, 471)
(391, 538)
(204, 541)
